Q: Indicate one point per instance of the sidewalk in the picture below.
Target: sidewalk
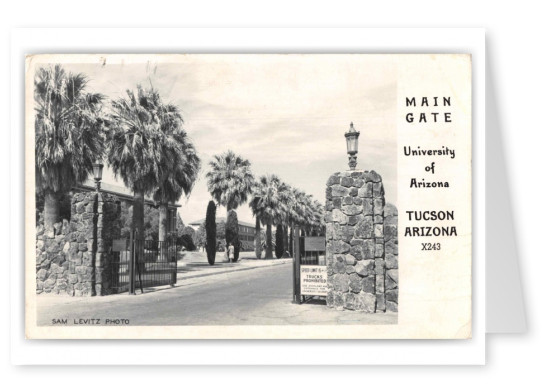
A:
(195, 264)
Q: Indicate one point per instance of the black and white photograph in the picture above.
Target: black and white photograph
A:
(254, 190)
(218, 190)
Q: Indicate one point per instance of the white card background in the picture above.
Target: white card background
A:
(257, 352)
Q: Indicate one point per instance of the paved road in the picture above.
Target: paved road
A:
(251, 297)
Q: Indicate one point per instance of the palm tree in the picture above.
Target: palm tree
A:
(299, 207)
(309, 214)
(230, 182)
(295, 213)
(284, 208)
(255, 206)
(69, 135)
(287, 214)
(305, 212)
(269, 205)
(319, 213)
(136, 145)
(302, 214)
(179, 164)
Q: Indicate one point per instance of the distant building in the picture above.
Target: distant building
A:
(246, 231)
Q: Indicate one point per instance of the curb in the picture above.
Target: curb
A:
(231, 270)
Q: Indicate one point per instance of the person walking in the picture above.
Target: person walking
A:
(230, 253)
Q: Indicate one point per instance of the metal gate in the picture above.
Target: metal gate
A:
(139, 264)
(309, 259)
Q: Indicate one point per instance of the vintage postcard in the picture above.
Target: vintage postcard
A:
(240, 196)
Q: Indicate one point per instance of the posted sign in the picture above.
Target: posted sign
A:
(313, 280)
(314, 243)
(119, 245)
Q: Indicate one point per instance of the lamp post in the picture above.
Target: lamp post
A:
(98, 170)
(352, 145)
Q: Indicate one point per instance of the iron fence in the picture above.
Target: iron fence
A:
(155, 263)
(143, 264)
(119, 265)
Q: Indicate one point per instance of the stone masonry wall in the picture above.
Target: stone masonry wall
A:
(391, 257)
(51, 259)
(73, 258)
(362, 246)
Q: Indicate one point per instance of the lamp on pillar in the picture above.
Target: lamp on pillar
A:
(352, 145)
(98, 171)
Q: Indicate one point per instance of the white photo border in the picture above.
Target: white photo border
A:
(244, 352)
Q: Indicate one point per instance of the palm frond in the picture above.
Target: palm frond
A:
(230, 179)
(69, 129)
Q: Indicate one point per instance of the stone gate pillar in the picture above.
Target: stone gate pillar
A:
(361, 276)
(75, 257)
(81, 242)
(94, 223)
(108, 228)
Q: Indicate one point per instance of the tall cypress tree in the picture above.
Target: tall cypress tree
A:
(232, 233)
(279, 241)
(291, 245)
(258, 239)
(210, 228)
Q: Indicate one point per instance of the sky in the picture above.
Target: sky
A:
(286, 114)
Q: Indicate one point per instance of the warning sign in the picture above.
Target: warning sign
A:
(313, 280)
